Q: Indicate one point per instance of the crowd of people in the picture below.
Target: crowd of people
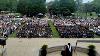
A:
(67, 28)
(76, 27)
(67, 50)
(35, 28)
(8, 25)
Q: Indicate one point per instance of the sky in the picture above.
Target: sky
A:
(84, 1)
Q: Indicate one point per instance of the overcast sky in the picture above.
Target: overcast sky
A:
(84, 1)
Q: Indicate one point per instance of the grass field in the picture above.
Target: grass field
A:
(53, 28)
(13, 35)
(97, 36)
(85, 15)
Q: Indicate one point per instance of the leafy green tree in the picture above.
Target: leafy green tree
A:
(88, 7)
(31, 7)
(67, 4)
(97, 5)
(3, 5)
(8, 5)
(62, 7)
(53, 7)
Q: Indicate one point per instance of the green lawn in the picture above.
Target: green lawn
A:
(97, 36)
(85, 15)
(13, 35)
(53, 28)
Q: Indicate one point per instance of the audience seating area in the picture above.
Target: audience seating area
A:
(8, 25)
(75, 28)
(35, 28)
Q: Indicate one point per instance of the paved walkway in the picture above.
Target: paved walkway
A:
(30, 47)
(59, 54)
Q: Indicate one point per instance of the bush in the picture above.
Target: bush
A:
(91, 50)
(91, 47)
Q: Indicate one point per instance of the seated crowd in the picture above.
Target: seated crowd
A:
(8, 25)
(35, 28)
(78, 28)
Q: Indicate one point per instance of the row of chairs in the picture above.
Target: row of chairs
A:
(34, 30)
(74, 32)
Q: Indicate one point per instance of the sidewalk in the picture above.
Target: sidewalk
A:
(30, 47)
(59, 54)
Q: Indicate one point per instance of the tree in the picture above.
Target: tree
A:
(31, 7)
(8, 5)
(3, 5)
(88, 7)
(68, 4)
(53, 7)
(62, 7)
(97, 5)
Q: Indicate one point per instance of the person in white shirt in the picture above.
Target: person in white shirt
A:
(70, 49)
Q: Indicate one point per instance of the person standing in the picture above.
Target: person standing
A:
(70, 49)
(43, 51)
(65, 51)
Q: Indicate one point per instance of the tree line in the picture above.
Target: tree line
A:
(56, 7)
(62, 7)
(89, 7)
(25, 7)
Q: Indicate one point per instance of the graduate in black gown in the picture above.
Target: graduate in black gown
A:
(43, 51)
(65, 52)
(70, 49)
